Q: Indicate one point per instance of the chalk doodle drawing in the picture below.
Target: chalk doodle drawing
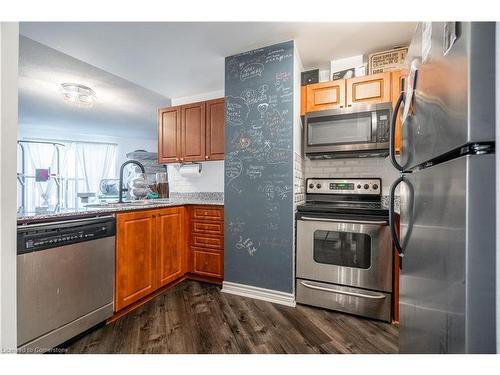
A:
(249, 96)
(236, 110)
(278, 156)
(262, 90)
(254, 171)
(233, 167)
(277, 55)
(246, 244)
(251, 71)
(284, 191)
(262, 108)
(273, 118)
(236, 226)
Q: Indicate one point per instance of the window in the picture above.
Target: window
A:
(342, 249)
(74, 167)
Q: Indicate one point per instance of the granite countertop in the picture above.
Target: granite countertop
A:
(175, 200)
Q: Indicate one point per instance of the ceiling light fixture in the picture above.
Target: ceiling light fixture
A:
(79, 95)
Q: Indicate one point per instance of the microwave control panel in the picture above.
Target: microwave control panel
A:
(383, 125)
(354, 186)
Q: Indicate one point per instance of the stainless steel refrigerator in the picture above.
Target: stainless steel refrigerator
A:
(447, 190)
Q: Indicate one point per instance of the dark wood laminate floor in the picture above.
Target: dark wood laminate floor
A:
(195, 317)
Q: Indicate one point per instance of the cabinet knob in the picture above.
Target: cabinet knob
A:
(207, 157)
(177, 159)
(182, 159)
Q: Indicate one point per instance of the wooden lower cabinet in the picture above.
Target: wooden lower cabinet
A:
(207, 242)
(170, 245)
(207, 263)
(135, 257)
(155, 248)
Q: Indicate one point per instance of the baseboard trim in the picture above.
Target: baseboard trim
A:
(269, 295)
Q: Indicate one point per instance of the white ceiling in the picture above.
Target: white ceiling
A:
(122, 109)
(183, 59)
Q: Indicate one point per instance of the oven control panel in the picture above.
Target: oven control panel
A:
(354, 186)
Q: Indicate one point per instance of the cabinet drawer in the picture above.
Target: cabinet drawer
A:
(208, 213)
(207, 263)
(212, 242)
(206, 227)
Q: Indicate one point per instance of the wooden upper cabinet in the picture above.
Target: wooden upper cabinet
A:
(170, 242)
(135, 257)
(193, 132)
(375, 88)
(325, 95)
(169, 129)
(214, 143)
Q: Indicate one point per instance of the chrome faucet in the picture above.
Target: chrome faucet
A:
(120, 183)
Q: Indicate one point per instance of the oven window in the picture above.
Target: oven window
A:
(342, 249)
(356, 128)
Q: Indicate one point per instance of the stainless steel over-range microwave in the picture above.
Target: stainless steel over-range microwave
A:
(361, 130)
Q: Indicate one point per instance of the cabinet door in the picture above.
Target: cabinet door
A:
(208, 263)
(375, 88)
(169, 135)
(193, 132)
(397, 86)
(135, 263)
(215, 130)
(325, 95)
(170, 245)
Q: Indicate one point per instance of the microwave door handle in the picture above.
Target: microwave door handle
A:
(369, 296)
(392, 135)
(374, 126)
(349, 221)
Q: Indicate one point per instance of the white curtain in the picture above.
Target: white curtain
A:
(40, 155)
(96, 161)
(83, 165)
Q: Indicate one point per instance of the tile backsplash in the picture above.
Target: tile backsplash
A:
(360, 167)
(299, 181)
(211, 178)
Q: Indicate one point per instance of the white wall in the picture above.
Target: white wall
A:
(9, 52)
(212, 176)
(362, 167)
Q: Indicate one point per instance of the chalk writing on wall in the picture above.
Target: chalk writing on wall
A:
(259, 167)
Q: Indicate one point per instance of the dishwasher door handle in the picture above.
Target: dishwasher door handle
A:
(75, 221)
(353, 294)
(349, 221)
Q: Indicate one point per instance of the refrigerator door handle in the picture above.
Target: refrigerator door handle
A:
(392, 136)
(392, 214)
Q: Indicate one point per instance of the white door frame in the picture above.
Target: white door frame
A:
(9, 60)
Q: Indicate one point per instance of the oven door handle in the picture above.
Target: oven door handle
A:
(375, 222)
(353, 294)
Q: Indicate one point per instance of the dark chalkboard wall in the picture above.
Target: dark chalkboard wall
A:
(258, 200)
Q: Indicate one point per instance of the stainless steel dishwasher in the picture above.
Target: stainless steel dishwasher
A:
(65, 279)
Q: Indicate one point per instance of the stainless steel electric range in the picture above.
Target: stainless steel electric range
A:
(344, 248)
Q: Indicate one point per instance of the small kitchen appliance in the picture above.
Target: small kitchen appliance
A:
(360, 130)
